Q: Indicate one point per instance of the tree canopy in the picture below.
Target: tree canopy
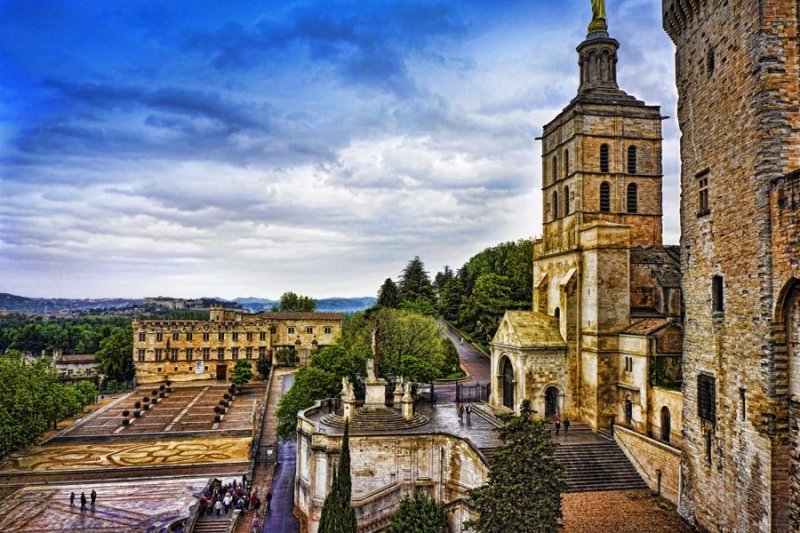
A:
(292, 302)
(338, 515)
(524, 488)
(115, 356)
(419, 514)
(389, 294)
(415, 284)
(242, 372)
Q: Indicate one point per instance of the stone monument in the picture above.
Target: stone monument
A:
(375, 386)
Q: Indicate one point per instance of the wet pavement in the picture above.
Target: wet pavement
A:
(280, 518)
(475, 361)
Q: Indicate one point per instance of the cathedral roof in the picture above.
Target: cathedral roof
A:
(529, 329)
(648, 326)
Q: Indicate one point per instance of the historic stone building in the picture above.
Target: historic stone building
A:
(602, 344)
(738, 74)
(186, 350)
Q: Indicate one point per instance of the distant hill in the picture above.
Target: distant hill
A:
(20, 304)
(324, 305)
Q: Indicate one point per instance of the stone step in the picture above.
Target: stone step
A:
(597, 466)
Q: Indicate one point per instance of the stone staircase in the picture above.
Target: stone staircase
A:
(594, 462)
(213, 524)
(376, 420)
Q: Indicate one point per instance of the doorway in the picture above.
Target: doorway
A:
(550, 402)
(508, 384)
(665, 424)
(222, 372)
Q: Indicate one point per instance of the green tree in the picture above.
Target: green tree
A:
(263, 365)
(338, 515)
(415, 283)
(419, 514)
(339, 362)
(442, 278)
(524, 488)
(242, 372)
(86, 391)
(491, 296)
(451, 297)
(115, 356)
(310, 384)
(389, 294)
(292, 302)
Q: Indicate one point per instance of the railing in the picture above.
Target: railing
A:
(472, 393)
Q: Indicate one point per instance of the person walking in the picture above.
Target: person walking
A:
(218, 507)
(226, 501)
(460, 414)
(94, 497)
(72, 499)
(255, 524)
(269, 500)
(469, 412)
(256, 503)
(566, 426)
(557, 422)
(83, 501)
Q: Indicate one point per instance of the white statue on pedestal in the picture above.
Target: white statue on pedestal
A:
(347, 390)
(371, 378)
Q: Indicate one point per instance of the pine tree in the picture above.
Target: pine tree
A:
(523, 493)
(419, 513)
(415, 283)
(389, 294)
(338, 516)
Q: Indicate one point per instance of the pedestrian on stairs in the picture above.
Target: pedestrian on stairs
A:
(557, 421)
(256, 523)
(566, 426)
(269, 500)
(218, 506)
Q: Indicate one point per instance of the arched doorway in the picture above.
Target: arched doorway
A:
(628, 411)
(665, 424)
(550, 401)
(508, 383)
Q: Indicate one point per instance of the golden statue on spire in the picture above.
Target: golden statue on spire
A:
(598, 22)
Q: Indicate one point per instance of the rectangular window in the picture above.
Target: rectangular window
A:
(249, 336)
(291, 330)
(141, 355)
(176, 336)
(221, 336)
(159, 337)
(235, 335)
(309, 330)
(327, 330)
(206, 337)
(235, 353)
(206, 354)
(141, 337)
(706, 398)
(249, 352)
(188, 335)
(159, 353)
(703, 207)
(718, 294)
(272, 330)
(189, 354)
(263, 336)
(174, 354)
(220, 353)
(262, 352)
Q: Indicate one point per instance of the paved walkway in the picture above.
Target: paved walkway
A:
(280, 519)
(475, 361)
(630, 511)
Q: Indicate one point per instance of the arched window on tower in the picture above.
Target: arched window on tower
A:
(554, 170)
(566, 163)
(555, 205)
(566, 200)
(605, 197)
(633, 198)
(603, 158)
(631, 160)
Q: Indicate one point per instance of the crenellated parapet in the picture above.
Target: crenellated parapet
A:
(679, 14)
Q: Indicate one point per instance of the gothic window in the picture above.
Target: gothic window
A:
(793, 332)
(633, 198)
(566, 201)
(718, 294)
(603, 158)
(703, 207)
(555, 204)
(628, 411)
(665, 424)
(706, 398)
(566, 163)
(605, 197)
(631, 160)
(554, 170)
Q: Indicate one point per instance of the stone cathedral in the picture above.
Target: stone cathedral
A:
(602, 344)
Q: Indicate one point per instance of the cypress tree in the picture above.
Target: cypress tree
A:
(415, 283)
(389, 294)
(338, 516)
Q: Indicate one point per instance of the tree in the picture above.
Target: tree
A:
(310, 384)
(419, 513)
(441, 278)
(484, 308)
(524, 488)
(415, 283)
(263, 365)
(389, 294)
(292, 302)
(338, 515)
(86, 392)
(450, 299)
(115, 356)
(242, 372)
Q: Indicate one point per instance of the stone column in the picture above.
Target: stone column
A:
(408, 403)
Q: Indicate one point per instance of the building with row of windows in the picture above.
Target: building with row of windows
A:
(185, 350)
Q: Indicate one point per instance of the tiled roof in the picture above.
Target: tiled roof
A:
(532, 329)
(646, 326)
(281, 315)
(78, 358)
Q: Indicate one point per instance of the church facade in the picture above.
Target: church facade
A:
(602, 343)
(738, 77)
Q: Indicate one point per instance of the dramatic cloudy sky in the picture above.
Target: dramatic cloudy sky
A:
(247, 148)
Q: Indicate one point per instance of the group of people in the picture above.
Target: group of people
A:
(223, 498)
(557, 422)
(462, 410)
(93, 497)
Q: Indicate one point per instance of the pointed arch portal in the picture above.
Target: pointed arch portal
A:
(508, 383)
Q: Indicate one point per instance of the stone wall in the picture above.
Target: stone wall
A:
(655, 461)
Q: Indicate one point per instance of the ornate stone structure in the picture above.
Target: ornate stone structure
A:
(737, 74)
(186, 350)
(602, 343)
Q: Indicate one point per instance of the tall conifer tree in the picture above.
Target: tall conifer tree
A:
(389, 294)
(415, 284)
(338, 516)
